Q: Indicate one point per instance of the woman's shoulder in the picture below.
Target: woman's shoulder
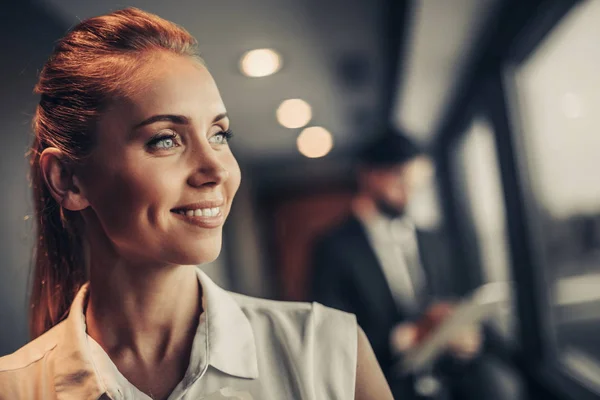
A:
(31, 352)
(318, 340)
(291, 309)
(25, 369)
(301, 318)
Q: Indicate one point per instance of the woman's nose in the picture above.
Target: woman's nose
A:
(209, 170)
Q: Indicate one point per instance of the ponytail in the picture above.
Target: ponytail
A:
(59, 265)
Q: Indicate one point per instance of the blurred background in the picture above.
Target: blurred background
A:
(502, 94)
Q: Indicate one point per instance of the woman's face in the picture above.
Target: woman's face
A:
(162, 177)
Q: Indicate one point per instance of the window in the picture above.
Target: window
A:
(479, 191)
(558, 94)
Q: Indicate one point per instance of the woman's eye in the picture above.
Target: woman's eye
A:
(164, 142)
(222, 137)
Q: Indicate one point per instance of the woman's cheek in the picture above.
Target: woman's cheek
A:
(235, 176)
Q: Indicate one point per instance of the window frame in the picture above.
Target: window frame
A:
(539, 344)
(486, 87)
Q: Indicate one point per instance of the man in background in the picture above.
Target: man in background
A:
(391, 275)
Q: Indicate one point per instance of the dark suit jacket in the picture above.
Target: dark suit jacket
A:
(347, 275)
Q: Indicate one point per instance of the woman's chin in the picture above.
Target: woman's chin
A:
(206, 258)
(200, 254)
(181, 252)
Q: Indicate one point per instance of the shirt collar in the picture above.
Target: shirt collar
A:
(224, 333)
(75, 376)
(231, 339)
(385, 229)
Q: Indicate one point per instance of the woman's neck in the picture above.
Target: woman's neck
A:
(142, 312)
(145, 319)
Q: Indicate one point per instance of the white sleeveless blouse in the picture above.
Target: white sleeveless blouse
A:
(245, 349)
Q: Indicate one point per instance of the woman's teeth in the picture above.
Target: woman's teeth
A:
(204, 212)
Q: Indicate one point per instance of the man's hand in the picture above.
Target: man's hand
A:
(466, 345)
(403, 337)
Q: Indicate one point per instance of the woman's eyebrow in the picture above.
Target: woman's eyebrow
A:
(220, 117)
(176, 119)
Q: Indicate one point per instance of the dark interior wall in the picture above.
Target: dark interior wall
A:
(27, 34)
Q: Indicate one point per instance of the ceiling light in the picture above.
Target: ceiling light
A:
(294, 113)
(315, 142)
(260, 62)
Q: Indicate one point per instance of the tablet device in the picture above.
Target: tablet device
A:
(479, 305)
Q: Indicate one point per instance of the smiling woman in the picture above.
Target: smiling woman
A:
(133, 179)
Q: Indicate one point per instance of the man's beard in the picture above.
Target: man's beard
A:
(389, 210)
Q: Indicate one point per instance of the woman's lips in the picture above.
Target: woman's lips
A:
(205, 218)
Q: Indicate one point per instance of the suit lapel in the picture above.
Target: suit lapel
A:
(370, 275)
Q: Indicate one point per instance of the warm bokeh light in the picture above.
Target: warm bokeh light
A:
(315, 142)
(294, 113)
(260, 62)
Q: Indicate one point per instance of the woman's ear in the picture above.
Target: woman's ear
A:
(60, 180)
